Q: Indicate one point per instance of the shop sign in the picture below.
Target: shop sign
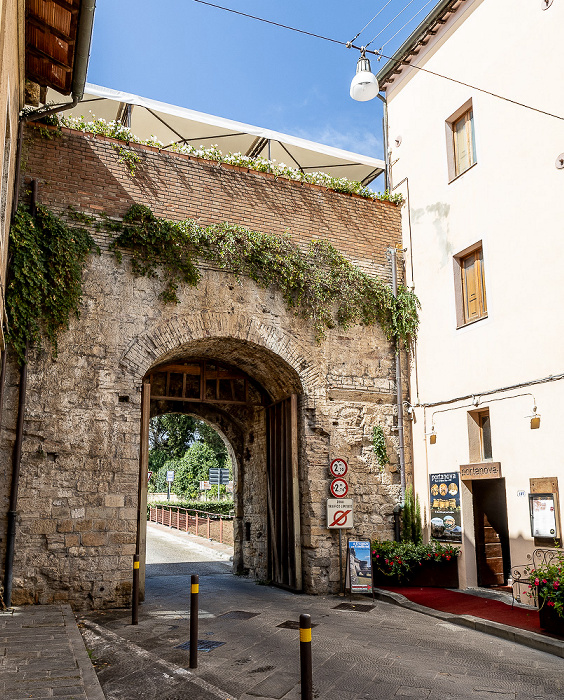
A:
(445, 507)
(483, 470)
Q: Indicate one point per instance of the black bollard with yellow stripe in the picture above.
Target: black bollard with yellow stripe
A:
(194, 594)
(305, 658)
(135, 598)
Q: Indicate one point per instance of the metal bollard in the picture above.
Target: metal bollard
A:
(135, 599)
(195, 590)
(305, 658)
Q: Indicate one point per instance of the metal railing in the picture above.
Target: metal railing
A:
(198, 522)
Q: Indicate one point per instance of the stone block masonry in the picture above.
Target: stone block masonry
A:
(77, 505)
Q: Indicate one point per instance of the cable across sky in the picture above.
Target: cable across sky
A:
(350, 45)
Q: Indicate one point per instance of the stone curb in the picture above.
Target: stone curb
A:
(540, 642)
(92, 687)
(138, 651)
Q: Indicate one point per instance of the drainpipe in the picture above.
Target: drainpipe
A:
(387, 172)
(82, 52)
(393, 255)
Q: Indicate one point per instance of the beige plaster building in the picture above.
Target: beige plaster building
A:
(476, 133)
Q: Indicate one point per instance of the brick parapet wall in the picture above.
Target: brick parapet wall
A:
(85, 170)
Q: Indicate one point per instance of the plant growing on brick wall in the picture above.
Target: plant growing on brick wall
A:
(319, 283)
(45, 287)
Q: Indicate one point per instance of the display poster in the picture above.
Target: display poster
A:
(445, 507)
(543, 515)
(359, 561)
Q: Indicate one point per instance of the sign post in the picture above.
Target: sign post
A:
(219, 477)
(169, 480)
(339, 517)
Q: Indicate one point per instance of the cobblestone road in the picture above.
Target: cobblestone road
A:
(386, 652)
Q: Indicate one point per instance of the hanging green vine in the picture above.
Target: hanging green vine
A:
(319, 282)
(45, 287)
(379, 445)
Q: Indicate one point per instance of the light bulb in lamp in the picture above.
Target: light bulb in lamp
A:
(364, 85)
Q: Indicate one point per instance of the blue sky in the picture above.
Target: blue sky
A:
(203, 58)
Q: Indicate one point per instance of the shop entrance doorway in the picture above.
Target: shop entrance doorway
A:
(491, 531)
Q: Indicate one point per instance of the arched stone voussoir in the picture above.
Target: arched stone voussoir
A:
(276, 358)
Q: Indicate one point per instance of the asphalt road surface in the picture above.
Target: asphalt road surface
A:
(382, 652)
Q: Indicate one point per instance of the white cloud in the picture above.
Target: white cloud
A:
(361, 141)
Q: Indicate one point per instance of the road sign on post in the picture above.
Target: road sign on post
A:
(338, 467)
(339, 488)
(219, 477)
(170, 476)
(339, 513)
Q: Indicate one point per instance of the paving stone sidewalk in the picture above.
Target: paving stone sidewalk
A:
(42, 655)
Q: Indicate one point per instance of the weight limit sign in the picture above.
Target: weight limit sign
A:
(339, 513)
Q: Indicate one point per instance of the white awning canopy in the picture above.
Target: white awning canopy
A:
(171, 124)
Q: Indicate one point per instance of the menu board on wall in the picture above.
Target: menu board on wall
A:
(543, 515)
(445, 506)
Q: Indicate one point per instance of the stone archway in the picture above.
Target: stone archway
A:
(256, 410)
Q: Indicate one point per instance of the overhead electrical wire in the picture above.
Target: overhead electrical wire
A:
(350, 45)
(372, 20)
(409, 21)
(268, 21)
(390, 22)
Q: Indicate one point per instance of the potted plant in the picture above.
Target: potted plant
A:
(546, 583)
(409, 564)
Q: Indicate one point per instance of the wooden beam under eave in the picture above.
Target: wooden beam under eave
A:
(50, 29)
(42, 55)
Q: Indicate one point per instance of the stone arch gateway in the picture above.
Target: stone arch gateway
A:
(78, 491)
(258, 416)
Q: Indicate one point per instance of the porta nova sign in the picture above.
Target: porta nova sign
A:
(483, 470)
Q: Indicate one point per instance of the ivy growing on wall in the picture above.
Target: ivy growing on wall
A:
(379, 445)
(45, 287)
(48, 256)
(319, 283)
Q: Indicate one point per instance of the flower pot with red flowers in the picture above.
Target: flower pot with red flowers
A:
(546, 583)
(408, 564)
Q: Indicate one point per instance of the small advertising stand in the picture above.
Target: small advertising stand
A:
(359, 567)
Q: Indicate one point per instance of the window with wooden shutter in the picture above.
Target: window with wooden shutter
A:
(470, 288)
(461, 145)
(463, 134)
(473, 289)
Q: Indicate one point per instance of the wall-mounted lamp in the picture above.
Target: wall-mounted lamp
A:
(432, 435)
(535, 419)
(364, 85)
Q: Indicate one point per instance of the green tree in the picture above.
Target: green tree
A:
(411, 530)
(171, 437)
(191, 469)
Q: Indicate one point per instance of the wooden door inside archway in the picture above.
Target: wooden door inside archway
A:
(285, 553)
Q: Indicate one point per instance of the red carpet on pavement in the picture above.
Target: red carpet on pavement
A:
(457, 603)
